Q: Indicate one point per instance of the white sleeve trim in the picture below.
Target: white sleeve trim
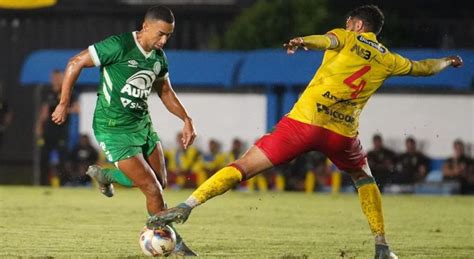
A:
(95, 57)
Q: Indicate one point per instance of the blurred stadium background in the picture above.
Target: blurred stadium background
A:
(228, 52)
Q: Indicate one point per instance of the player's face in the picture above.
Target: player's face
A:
(157, 32)
(458, 149)
(378, 143)
(411, 146)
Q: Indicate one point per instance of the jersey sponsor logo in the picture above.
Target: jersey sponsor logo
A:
(132, 63)
(137, 86)
(125, 101)
(340, 117)
(133, 105)
(371, 43)
(157, 67)
(329, 96)
(361, 52)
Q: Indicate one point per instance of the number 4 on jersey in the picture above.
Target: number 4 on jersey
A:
(350, 81)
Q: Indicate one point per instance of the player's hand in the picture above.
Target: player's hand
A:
(294, 44)
(59, 114)
(456, 61)
(189, 133)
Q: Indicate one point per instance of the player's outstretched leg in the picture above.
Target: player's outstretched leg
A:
(222, 181)
(254, 161)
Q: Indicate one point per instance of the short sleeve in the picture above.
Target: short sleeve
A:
(400, 65)
(164, 73)
(341, 35)
(106, 52)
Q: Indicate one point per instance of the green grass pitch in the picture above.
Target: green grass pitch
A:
(80, 222)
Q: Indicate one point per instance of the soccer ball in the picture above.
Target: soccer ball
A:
(158, 242)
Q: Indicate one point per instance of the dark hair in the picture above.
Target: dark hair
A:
(377, 137)
(411, 140)
(371, 15)
(159, 12)
(458, 142)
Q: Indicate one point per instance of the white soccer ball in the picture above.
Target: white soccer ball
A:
(158, 242)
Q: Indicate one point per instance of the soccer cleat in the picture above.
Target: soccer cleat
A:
(178, 214)
(182, 249)
(383, 252)
(105, 186)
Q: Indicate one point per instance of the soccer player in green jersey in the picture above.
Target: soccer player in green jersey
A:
(130, 65)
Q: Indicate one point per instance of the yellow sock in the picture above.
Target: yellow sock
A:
(222, 181)
(371, 203)
(251, 184)
(336, 182)
(309, 182)
(262, 183)
(280, 182)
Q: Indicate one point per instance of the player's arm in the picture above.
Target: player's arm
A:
(71, 73)
(321, 42)
(428, 67)
(174, 105)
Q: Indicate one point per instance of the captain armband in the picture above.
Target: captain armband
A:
(328, 41)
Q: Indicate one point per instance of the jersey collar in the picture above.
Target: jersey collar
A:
(370, 35)
(146, 54)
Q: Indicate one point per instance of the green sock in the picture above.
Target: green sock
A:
(117, 176)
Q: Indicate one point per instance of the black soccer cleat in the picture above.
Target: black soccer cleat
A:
(105, 185)
(383, 252)
(178, 214)
(182, 249)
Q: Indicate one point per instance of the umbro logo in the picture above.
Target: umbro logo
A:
(132, 63)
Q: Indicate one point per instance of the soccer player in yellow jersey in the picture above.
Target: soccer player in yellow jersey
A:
(326, 116)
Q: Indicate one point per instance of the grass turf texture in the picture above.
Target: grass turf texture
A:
(45, 222)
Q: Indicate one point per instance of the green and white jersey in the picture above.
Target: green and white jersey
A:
(127, 73)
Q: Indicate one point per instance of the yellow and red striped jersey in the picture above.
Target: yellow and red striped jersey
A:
(347, 77)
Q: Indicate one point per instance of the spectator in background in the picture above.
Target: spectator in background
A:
(5, 119)
(296, 172)
(460, 168)
(236, 150)
(82, 156)
(381, 161)
(318, 177)
(182, 164)
(213, 160)
(51, 137)
(411, 166)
